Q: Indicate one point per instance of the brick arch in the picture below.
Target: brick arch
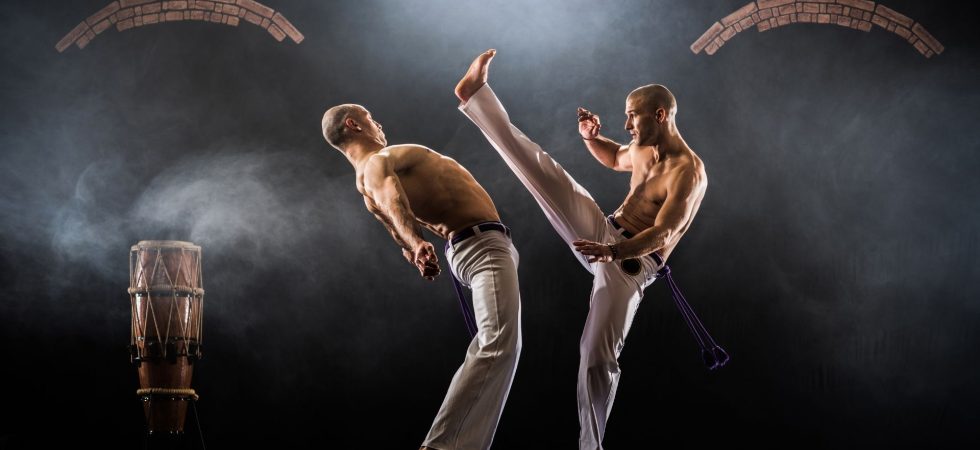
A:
(857, 14)
(127, 14)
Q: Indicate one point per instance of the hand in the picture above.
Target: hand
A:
(588, 124)
(424, 258)
(593, 251)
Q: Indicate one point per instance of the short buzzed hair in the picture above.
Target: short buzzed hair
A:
(655, 96)
(333, 124)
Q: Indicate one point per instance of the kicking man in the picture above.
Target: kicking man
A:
(623, 251)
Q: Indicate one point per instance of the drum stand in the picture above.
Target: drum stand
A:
(170, 441)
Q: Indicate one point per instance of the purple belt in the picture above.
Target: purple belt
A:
(711, 353)
(469, 318)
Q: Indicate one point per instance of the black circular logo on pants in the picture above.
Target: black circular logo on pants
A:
(630, 266)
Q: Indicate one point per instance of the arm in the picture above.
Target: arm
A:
(406, 250)
(382, 185)
(673, 217)
(607, 151)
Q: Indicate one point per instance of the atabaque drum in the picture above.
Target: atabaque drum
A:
(166, 295)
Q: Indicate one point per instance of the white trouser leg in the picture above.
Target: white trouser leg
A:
(487, 264)
(567, 205)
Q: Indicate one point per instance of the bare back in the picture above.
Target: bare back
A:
(442, 194)
(650, 185)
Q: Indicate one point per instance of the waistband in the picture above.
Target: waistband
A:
(626, 233)
(469, 232)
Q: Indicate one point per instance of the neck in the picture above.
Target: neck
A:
(357, 152)
(671, 143)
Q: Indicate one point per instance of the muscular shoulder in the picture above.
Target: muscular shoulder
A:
(689, 172)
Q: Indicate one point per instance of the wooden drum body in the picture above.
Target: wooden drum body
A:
(167, 300)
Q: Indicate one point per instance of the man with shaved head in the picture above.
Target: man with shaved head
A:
(625, 251)
(408, 187)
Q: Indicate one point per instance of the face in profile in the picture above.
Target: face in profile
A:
(371, 128)
(641, 121)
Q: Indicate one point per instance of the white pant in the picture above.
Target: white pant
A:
(487, 264)
(574, 215)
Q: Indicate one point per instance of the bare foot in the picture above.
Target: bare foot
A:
(475, 77)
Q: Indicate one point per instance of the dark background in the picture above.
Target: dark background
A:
(835, 255)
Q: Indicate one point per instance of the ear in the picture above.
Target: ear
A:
(352, 124)
(661, 115)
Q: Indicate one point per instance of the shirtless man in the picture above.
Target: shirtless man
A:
(407, 187)
(623, 251)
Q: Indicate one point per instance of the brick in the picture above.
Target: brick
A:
(823, 1)
(864, 25)
(175, 4)
(113, 19)
(187, 15)
(702, 41)
(773, 3)
(727, 33)
(217, 18)
(929, 54)
(241, 13)
(71, 37)
(805, 17)
(205, 5)
(856, 13)
(783, 20)
(931, 41)
(173, 16)
(788, 9)
(124, 13)
(835, 9)
(812, 8)
(921, 47)
(230, 10)
(880, 21)
(746, 23)
(101, 26)
(739, 14)
(252, 17)
(765, 13)
(844, 21)
(903, 32)
(773, 23)
(197, 15)
(265, 23)
(866, 16)
(861, 4)
(151, 8)
(891, 26)
(276, 33)
(129, 3)
(846, 11)
(799, 7)
(755, 17)
(83, 41)
(149, 19)
(711, 48)
(737, 28)
(102, 14)
(823, 18)
(763, 26)
(823, 9)
(232, 20)
(893, 15)
(255, 7)
(912, 39)
(138, 21)
(124, 24)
